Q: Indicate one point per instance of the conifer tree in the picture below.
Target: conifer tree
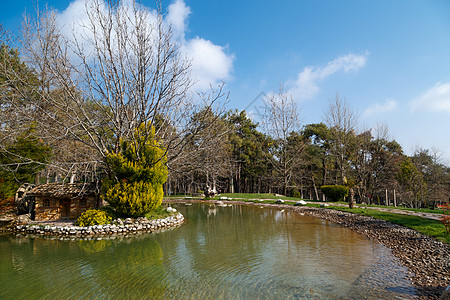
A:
(21, 161)
(138, 172)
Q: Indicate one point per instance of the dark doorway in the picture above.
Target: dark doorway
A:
(65, 208)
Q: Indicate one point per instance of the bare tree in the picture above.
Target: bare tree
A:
(206, 157)
(280, 120)
(342, 122)
(120, 68)
(360, 161)
(435, 175)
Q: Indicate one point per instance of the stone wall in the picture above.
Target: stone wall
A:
(118, 227)
(54, 209)
(77, 208)
(6, 224)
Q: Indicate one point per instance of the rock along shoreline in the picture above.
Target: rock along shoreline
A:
(118, 227)
(427, 259)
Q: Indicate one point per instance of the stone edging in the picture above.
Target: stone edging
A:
(118, 227)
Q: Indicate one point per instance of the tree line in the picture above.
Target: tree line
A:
(285, 157)
(68, 102)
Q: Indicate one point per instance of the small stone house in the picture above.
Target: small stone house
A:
(55, 201)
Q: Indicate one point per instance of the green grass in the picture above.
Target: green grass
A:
(428, 227)
(419, 210)
(265, 198)
(158, 213)
(177, 196)
(243, 196)
(182, 196)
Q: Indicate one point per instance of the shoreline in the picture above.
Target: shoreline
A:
(427, 259)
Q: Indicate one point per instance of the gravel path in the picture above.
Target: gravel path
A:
(427, 259)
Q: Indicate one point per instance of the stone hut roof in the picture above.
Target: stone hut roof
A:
(65, 190)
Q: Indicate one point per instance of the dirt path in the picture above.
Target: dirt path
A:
(408, 212)
(431, 216)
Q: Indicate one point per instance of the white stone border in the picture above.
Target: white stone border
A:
(117, 227)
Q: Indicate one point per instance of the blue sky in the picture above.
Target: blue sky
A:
(390, 60)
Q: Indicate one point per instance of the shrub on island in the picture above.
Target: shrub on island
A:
(93, 217)
(135, 184)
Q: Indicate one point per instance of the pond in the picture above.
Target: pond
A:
(235, 252)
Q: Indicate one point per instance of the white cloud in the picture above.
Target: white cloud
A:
(72, 19)
(177, 16)
(436, 99)
(306, 86)
(377, 108)
(211, 63)
(74, 12)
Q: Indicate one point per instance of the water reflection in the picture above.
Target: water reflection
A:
(221, 252)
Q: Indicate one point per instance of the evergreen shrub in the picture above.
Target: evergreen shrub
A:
(138, 172)
(335, 192)
(296, 194)
(93, 217)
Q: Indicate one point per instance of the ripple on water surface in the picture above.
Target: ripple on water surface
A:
(236, 252)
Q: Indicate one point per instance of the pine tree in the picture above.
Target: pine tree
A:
(21, 161)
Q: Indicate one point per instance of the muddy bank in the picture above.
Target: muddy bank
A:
(427, 259)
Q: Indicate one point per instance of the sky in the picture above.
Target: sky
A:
(390, 60)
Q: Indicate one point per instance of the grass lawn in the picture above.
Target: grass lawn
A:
(158, 213)
(242, 196)
(420, 210)
(426, 226)
(177, 196)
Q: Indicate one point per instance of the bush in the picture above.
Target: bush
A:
(93, 217)
(296, 194)
(135, 199)
(138, 172)
(335, 192)
(158, 213)
(445, 219)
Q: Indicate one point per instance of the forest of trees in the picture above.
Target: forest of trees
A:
(298, 162)
(67, 102)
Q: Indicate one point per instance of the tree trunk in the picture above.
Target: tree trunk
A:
(315, 190)
(231, 185)
(351, 198)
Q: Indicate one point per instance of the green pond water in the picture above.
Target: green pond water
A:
(237, 252)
